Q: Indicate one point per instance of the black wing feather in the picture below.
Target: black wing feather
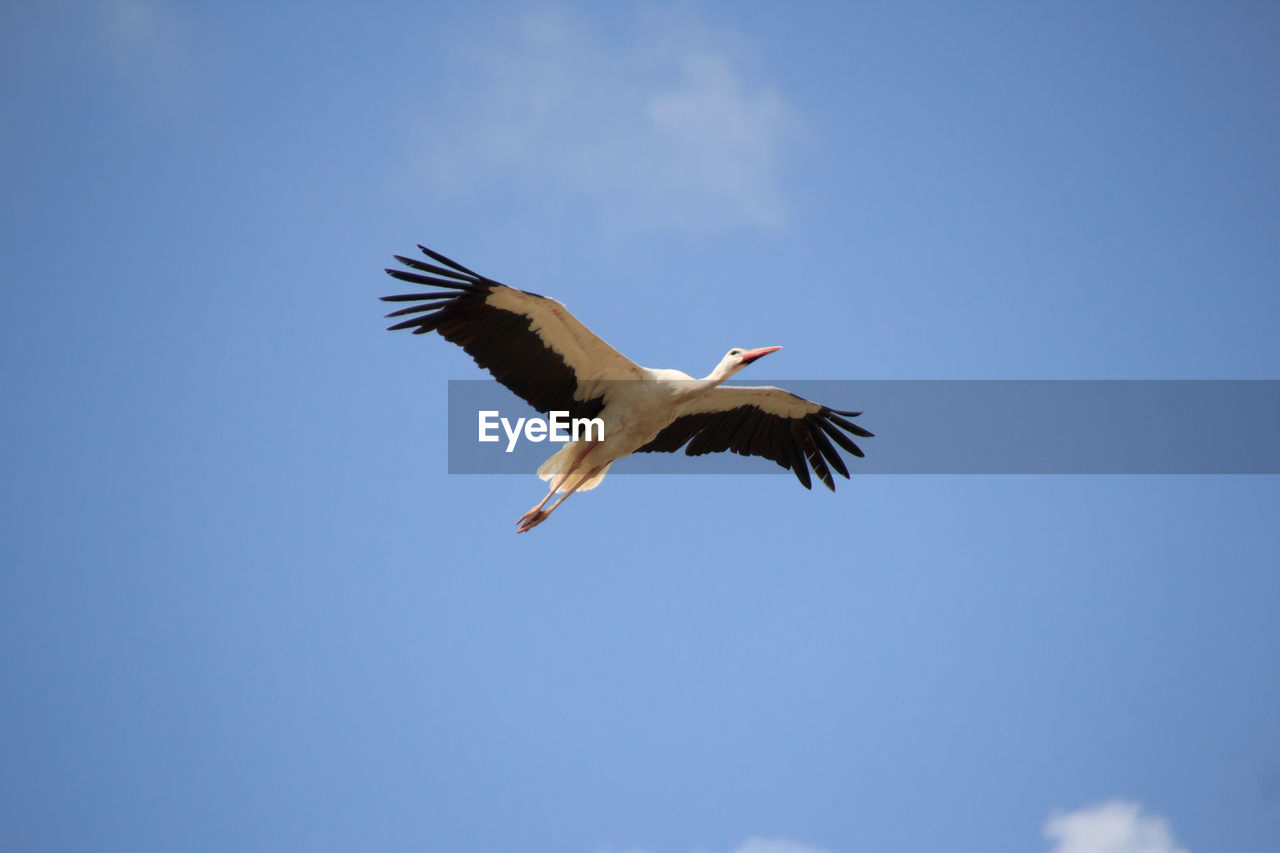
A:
(503, 342)
(805, 440)
(828, 452)
(835, 418)
(423, 266)
(797, 444)
(436, 256)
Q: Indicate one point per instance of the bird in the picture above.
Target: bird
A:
(532, 345)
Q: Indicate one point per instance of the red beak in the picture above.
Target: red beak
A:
(752, 354)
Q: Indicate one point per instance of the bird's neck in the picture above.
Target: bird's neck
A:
(722, 372)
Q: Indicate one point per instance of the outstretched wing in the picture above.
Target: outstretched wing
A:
(770, 422)
(531, 344)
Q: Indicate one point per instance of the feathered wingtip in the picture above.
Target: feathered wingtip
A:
(436, 256)
(452, 277)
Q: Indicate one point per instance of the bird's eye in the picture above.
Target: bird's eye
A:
(735, 352)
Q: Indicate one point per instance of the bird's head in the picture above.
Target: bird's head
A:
(737, 358)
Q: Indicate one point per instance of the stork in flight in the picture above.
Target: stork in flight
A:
(537, 349)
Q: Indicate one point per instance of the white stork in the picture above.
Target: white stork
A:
(536, 348)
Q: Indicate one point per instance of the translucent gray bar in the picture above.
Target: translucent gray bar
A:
(965, 427)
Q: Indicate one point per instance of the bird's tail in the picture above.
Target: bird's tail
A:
(556, 470)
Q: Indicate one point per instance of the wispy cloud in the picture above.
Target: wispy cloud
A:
(754, 845)
(776, 845)
(668, 124)
(141, 33)
(1112, 827)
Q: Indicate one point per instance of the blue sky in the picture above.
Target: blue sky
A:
(244, 607)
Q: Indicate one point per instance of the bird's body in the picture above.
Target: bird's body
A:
(536, 348)
(634, 413)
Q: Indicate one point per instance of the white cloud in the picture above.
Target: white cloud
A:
(755, 845)
(1112, 827)
(776, 845)
(667, 125)
(141, 32)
